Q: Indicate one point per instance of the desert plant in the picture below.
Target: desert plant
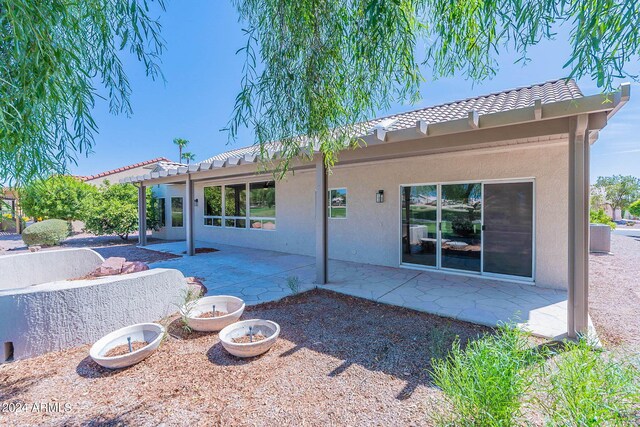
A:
(189, 297)
(591, 388)
(600, 217)
(485, 382)
(293, 282)
(188, 157)
(46, 233)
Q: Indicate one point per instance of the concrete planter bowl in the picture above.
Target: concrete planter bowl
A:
(233, 306)
(149, 332)
(269, 329)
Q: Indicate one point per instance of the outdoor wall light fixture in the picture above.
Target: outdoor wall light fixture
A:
(380, 196)
(196, 203)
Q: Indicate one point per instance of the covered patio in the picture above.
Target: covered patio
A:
(261, 276)
(521, 140)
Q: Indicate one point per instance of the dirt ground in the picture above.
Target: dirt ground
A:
(339, 361)
(107, 246)
(614, 292)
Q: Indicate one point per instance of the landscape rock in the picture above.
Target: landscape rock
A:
(133, 267)
(34, 248)
(111, 266)
(196, 286)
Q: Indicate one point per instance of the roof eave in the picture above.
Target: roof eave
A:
(600, 103)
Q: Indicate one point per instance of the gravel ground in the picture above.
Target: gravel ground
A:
(107, 246)
(614, 293)
(339, 361)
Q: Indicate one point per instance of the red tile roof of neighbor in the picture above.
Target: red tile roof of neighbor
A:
(123, 169)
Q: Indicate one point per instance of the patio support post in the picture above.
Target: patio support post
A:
(142, 215)
(322, 253)
(188, 213)
(578, 292)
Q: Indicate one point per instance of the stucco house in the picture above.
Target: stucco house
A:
(115, 175)
(496, 186)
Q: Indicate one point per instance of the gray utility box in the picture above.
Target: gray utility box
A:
(600, 238)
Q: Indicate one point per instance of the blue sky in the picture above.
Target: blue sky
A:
(202, 74)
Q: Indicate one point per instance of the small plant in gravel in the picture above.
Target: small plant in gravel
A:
(591, 388)
(189, 296)
(293, 282)
(485, 383)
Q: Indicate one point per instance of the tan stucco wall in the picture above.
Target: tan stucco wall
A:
(167, 191)
(370, 233)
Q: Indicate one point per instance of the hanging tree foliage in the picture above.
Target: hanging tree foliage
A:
(53, 53)
(315, 66)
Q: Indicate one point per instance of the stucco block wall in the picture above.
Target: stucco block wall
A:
(63, 314)
(28, 269)
(370, 233)
(295, 219)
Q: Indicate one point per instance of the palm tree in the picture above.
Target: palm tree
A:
(181, 143)
(188, 156)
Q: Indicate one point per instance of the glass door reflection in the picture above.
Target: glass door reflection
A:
(419, 224)
(461, 226)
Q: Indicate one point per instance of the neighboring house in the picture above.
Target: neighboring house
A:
(493, 186)
(115, 175)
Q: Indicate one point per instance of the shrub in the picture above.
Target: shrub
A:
(60, 197)
(485, 382)
(589, 388)
(634, 208)
(113, 209)
(600, 217)
(46, 233)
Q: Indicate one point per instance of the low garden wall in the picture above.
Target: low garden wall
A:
(35, 268)
(65, 313)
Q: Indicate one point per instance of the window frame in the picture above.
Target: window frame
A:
(224, 219)
(330, 208)
(213, 218)
(182, 203)
(262, 219)
(162, 212)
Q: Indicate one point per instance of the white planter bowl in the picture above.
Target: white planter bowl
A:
(265, 327)
(233, 306)
(149, 332)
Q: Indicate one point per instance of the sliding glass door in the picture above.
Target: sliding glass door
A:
(508, 228)
(419, 224)
(461, 226)
(486, 228)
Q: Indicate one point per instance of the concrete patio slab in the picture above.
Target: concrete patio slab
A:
(259, 276)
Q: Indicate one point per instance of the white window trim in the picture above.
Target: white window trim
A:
(212, 217)
(346, 208)
(171, 212)
(224, 217)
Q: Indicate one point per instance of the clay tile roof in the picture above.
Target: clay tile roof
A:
(123, 169)
(547, 92)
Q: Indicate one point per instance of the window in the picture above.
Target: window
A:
(338, 203)
(235, 213)
(213, 206)
(161, 212)
(262, 205)
(177, 213)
